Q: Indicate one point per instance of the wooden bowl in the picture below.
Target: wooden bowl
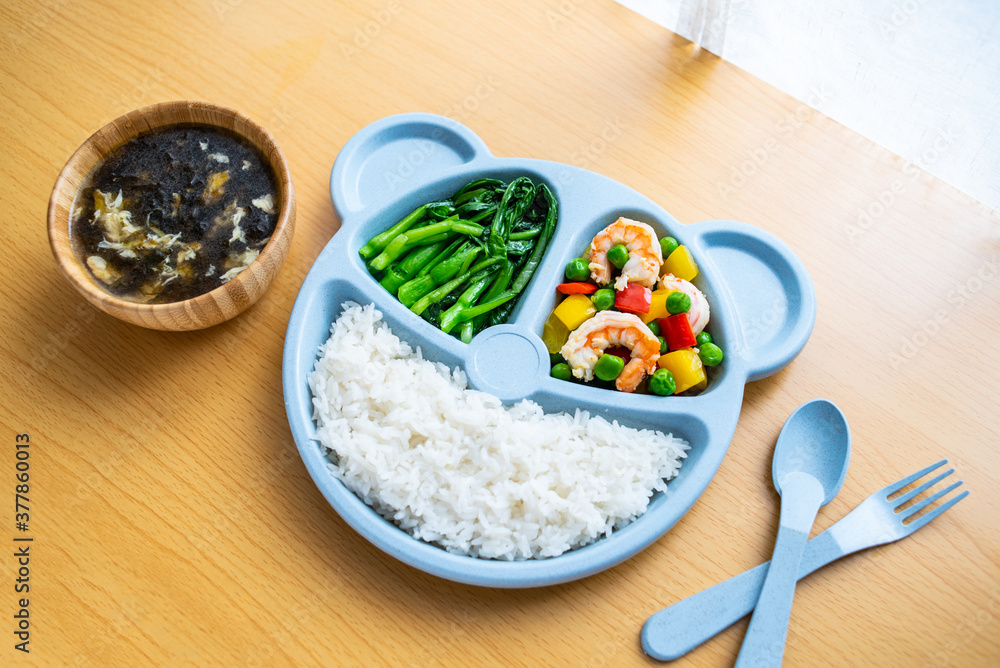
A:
(207, 309)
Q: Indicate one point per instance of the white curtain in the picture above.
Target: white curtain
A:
(919, 77)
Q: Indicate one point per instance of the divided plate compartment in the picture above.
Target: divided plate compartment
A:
(762, 300)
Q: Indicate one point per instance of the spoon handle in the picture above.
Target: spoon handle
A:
(677, 629)
(764, 643)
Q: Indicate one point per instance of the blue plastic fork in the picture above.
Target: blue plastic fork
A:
(676, 630)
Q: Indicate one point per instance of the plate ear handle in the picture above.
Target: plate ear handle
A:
(397, 154)
(769, 289)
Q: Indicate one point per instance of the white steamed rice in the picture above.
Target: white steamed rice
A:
(454, 467)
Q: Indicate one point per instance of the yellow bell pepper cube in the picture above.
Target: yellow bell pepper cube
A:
(554, 334)
(681, 264)
(657, 306)
(686, 367)
(574, 310)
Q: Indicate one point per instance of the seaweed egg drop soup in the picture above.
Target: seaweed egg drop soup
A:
(175, 213)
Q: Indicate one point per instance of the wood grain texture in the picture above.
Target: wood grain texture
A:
(174, 522)
(211, 308)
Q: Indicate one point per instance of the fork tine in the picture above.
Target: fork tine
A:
(920, 522)
(892, 489)
(917, 507)
(913, 493)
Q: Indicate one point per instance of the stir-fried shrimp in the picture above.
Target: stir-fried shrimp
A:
(612, 328)
(698, 314)
(644, 255)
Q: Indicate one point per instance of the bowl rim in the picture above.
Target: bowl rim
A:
(62, 246)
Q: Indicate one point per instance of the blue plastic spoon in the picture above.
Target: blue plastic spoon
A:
(810, 463)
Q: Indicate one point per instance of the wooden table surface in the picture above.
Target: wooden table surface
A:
(173, 522)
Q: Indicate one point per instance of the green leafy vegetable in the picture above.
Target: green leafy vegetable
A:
(461, 263)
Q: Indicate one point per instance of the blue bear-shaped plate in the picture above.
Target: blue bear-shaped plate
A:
(763, 310)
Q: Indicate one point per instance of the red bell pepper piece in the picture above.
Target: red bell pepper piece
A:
(677, 331)
(576, 288)
(620, 351)
(634, 298)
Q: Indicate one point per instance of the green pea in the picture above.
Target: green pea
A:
(662, 383)
(703, 337)
(667, 246)
(618, 255)
(608, 367)
(603, 299)
(562, 371)
(710, 354)
(577, 270)
(678, 302)
(654, 327)
(663, 344)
